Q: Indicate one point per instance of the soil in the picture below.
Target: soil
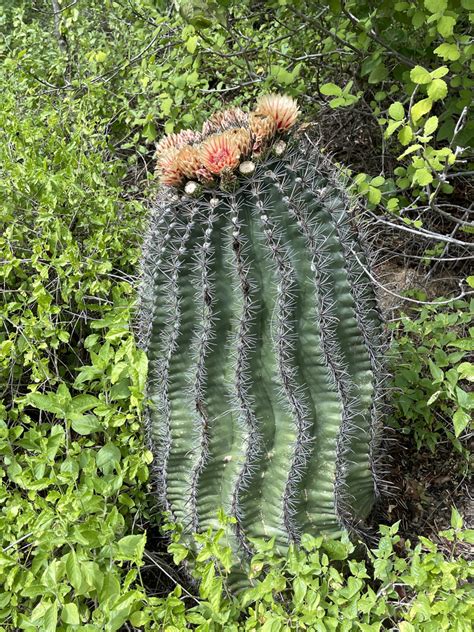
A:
(424, 486)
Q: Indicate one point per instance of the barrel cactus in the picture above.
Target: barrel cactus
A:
(260, 324)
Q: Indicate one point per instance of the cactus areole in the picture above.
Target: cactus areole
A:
(262, 333)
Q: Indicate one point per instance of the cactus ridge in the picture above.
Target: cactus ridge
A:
(318, 243)
(245, 342)
(201, 346)
(177, 246)
(360, 435)
(264, 344)
(284, 347)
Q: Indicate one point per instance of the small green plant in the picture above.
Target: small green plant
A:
(324, 585)
(433, 374)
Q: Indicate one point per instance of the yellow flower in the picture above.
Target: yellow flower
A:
(167, 168)
(176, 141)
(263, 128)
(242, 138)
(281, 108)
(188, 161)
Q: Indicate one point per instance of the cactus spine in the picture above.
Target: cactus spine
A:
(263, 337)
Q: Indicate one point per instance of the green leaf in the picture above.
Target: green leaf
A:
(110, 589)
(336, 549)
(464, 398)
(405, 135)
(445, 25)
(47, 402)
(150, 132)
(436, 6)
(109, 454)
(456, 519)
(422, 177)
(466, 371)
(81, 403)
(85, 424)
(281, 75)
(131, 547)
(139, 619)
(439, 72)
(467, 536)
(467, 344)
(91, 572)
(299, 589)
(396, 111)
(166, 105)
(121, 609)
(73, 570)
(461, 420)
(431, 125)
(392, 127)
(178, 551)
(330, 90)
(435, 371)
(449, 52)
(191, 44)
(421, 108)
(378, 74)
(70, 614)
(50, 618)
(438, 89)
(409, 150)
(337, 102)
(374, 195)
(418, 19)
(433, 398)
(420, 75)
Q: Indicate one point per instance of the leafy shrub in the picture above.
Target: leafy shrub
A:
(433, 394)
(324, 585)
(73, 465)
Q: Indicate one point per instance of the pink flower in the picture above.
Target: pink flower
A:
(220, 153)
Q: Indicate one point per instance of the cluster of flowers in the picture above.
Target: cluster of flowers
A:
(227, 138)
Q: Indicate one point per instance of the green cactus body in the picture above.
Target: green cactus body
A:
(263, 339)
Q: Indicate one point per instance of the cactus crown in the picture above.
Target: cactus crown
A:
(228, 138)
(262, 333)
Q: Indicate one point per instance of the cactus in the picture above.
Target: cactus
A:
(262, 334)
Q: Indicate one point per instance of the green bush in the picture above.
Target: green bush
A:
(323, 585)
(432, 393)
